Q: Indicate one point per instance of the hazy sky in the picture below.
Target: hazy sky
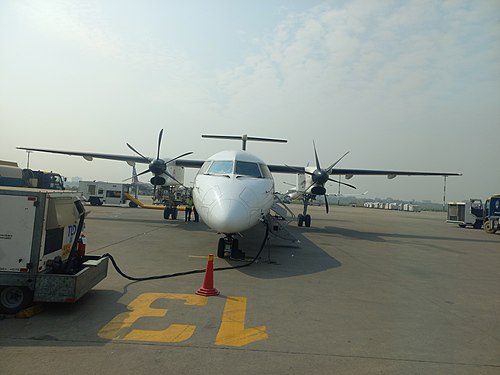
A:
(412, 85)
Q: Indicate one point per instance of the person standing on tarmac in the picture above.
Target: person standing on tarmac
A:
(189, 208)
(196, 215)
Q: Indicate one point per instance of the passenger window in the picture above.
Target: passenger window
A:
(221, 167)
(244, 168)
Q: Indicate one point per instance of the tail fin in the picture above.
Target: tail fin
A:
(135, 180)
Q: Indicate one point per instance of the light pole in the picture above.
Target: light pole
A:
(444, 194)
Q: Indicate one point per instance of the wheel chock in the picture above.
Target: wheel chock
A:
(29, 312)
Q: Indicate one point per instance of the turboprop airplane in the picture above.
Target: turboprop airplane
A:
(234, 190)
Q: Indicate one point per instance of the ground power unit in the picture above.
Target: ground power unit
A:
(41, 248)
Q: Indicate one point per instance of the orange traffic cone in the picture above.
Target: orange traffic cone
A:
(208, 289)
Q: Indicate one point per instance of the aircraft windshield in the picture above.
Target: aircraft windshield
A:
(221, 167)
(245, 168)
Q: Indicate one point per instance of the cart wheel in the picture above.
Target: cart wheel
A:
(132, 204)
(488, 227)
(14, 298)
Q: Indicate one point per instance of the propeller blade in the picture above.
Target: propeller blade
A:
(343, 183)
(173, 178)
(180, 156)
(326, 204)
(137, 175)
(310, 185)
(159, 143)
(329, 169)
(298, 170)
(316, 156)
(137, 152)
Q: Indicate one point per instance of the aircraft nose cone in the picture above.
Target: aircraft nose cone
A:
(229, 216)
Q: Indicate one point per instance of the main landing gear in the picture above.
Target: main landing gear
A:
(232, 244)
(304, 218)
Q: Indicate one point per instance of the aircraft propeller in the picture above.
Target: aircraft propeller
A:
(158, 166)
(321, 176)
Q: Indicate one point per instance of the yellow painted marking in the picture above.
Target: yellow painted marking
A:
(140, 307)
(232, 331)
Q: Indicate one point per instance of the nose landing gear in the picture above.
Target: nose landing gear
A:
(231, 244)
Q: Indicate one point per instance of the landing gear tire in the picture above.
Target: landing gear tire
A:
(166, 213)
(221, 248)
(14, 298)
(235, 245)
(307, 220)
(236, 253)
(300, 220)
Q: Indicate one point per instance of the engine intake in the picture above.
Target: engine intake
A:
(318, 190)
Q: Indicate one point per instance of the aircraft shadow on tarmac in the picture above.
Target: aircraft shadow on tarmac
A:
(280, 258)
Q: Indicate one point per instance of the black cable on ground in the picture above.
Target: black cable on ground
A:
(115, 265)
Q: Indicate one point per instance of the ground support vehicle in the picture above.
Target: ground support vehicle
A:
(12, 175)
(492, 214)
(99, 192)
(42, 249)
(466, 213)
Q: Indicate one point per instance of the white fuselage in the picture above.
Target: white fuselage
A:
(232, 191)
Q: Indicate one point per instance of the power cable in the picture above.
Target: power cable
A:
(117, 268)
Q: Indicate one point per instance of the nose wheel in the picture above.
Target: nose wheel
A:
(304, 220)
(230, 244)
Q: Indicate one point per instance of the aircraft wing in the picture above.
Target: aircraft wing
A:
(128, 158)
(273, 168)
(390, 174)
(91, 155)
(366, 172)
(189, 163)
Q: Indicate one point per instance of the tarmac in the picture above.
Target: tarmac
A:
(366, 291)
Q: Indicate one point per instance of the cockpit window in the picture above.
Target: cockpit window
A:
(221, 167)
(265, 171)
(204, 167)
(245, 168)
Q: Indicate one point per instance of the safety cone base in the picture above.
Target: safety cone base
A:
(207, 292)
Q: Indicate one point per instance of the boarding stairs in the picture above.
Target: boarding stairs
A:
(278, 220)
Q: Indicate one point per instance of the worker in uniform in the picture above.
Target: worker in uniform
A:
(189, 208)
(196, 215)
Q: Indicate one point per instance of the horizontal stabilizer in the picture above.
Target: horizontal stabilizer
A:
(244, 138)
